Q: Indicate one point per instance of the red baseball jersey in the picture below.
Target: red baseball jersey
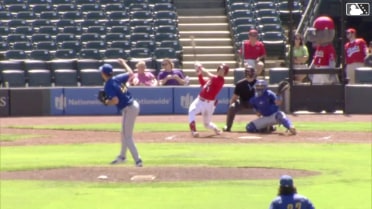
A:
(355, 51)
(324, 55)
(252, 52)
(211, 87)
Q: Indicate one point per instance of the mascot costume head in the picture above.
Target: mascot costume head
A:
(321, 35)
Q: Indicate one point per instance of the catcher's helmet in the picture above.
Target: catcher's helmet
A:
(224, 67)
(260, 87)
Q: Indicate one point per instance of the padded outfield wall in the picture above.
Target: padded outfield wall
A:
(153, 101)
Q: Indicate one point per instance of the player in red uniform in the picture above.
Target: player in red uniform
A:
(206, 101)
(253, 52)
(355, 53)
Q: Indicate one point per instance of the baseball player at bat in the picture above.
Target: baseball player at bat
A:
(116, 93)
(206, 101)
(266, 104)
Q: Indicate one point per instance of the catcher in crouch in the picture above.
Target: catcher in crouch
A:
(266, 104)
(206, 102)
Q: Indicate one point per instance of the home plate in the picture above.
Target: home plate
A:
(103, 177)
(250, 137)
(142, 178)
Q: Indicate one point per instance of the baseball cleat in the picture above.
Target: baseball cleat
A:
(118, 160)
(225, 129)
(195, 134)
(217, 131)
(292, 130)
(139, 163)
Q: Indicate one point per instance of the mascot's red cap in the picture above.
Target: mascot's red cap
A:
(324, 23)
(351, 30)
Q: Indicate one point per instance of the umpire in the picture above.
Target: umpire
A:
(244, 90)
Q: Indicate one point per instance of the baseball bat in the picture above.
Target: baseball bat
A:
(192, 39)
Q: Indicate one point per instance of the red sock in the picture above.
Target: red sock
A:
(192, 126)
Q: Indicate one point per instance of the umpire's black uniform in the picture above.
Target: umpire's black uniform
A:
(243, 92)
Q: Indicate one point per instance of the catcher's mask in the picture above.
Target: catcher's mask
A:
(260, 87)
(225, 69)
(249, 71)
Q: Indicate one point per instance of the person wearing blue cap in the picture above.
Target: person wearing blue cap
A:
(116, 93)
(288, 198)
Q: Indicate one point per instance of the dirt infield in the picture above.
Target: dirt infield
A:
(125, 173)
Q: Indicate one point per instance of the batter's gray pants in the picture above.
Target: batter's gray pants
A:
(129, 115)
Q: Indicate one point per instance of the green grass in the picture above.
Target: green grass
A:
(150, 127)
(345, 170)
(344, 181)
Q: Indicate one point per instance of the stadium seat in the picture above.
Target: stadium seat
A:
(244, 28)
(141, 15)
(61, 23)
(38, 73)
(47, 45)
(91, 77)
(122, 44)
(14, 23)
(61, 37)
(143, 29)
(39, 78)
(172, 15)
(14, 37)
(135, 37)
(138, 7)
(175, 44)
(140, 22)
(37, 2)
(160, 22)
(241, 14)
(163, 7)
(100, 45)
(108, 2)
(165, 52)
(11, 65)
(37, 23)
(239, 6)
(268, 20)
(37, 37)
(25, 30)
(61, 8)
(40, 54)
(118, 15)
(242, 21)
(124, 29)
(22, 45)
(76, 30)
(84, 8)
(115, 53)
(114, 7)
(153, 2)
(160, 37)
(52, 30)
(101, 30)
(4, 46)
(79, 2)
(65, 54)
(88, 23)
(74, 45)
(25, 15)
(4, 30)
(87, 53)
(65, 77)
(259, 5)
(110, 37)
(267, 13)
(270, 28)
(167, 29)
(16, 8)
(129, 2)
(141, 53)
(72, 15)
(15, 54)
(95, 15)
(89, 37)
(5, 15)
(149, 44)
(88, 64)
(43, 7)
(14, 78)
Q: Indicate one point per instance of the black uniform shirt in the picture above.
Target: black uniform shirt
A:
(245, 89)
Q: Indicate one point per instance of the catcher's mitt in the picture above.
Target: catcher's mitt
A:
(102, 97)
(283, 86)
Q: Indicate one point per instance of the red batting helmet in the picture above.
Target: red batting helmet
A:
(224, 67)
(324, 23)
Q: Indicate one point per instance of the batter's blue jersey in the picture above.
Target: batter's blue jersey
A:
(115, 87)
(265, 104)
(294, 201)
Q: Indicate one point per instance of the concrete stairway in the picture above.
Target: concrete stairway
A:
(205, 23)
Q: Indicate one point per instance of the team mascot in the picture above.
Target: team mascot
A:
(321, 35)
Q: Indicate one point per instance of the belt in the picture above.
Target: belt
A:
(205, 100)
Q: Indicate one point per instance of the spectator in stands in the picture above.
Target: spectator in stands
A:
(169, 76)
(300, 56)
(143, 77)
(253, 52)
(355, 53)
(368, 59)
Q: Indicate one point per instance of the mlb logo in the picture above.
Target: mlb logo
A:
(357, 9)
